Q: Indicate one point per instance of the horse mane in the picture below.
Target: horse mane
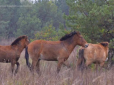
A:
(18, 39)
(104, 44)
(68, 36)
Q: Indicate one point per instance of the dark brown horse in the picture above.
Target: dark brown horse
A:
(12, 52)
(53, 50)
(94, 53)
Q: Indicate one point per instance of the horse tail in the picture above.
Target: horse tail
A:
(81, 60)
(27, 57)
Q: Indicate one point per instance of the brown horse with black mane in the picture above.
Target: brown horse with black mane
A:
(94, 53)
(53, 50)
(12, 52)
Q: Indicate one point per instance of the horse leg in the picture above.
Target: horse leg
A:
(87, 63)
(34, 62)
(12, 66)
(102, 64)
(38, 68)
(60, 62)
(96, 66)
(66, 64)
(17, 63)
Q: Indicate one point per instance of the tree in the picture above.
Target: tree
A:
(27, 25)
(3, 26)
(48, 13)
(62, 5)
(26, 18)
(9, 16)
(49, 33)
(94, 18)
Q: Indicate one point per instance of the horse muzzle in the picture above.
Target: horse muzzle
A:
(86, 45)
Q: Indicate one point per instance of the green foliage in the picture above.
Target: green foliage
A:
(3, 26)
(49, 33)
(8, 17)
(37, 18)
(111, 45)
(26, 18)
(93, 18)
(62, 5)
(48, 13)
(28, 25)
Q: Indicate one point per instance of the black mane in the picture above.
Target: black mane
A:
(18, 39)
(68, 36)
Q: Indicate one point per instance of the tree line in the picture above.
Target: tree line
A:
(24, 18)
(93, 18)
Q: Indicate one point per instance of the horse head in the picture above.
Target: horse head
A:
(21, 41)
(80, 40)
(26, 41)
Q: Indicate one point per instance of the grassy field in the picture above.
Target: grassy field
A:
(67, 76)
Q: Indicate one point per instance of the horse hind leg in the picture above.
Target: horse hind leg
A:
(33, 67)
(87, 63)
(102, 64)
(38, 68)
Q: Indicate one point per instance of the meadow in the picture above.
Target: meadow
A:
(49, 76)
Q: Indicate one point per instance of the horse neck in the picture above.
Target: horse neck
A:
(70, 45)
(19, 48)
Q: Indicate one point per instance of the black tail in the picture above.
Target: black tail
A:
(81, 60)
(27, 57)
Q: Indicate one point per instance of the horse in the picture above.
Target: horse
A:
(11, 53)
(94, 53)
(53, 50)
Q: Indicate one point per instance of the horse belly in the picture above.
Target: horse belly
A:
(47, 57)
(5, 58)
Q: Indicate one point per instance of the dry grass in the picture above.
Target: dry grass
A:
(67, 76)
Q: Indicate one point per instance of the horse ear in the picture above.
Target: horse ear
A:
(104, 44)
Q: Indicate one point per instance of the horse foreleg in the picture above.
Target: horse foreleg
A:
(60, 62)
(12, 66)
(17, 63)
(66, 63)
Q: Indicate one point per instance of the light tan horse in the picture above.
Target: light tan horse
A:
(53, 50)
(94, 53)
(12, 52)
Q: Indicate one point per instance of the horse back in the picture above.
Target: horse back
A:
(41, 44)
